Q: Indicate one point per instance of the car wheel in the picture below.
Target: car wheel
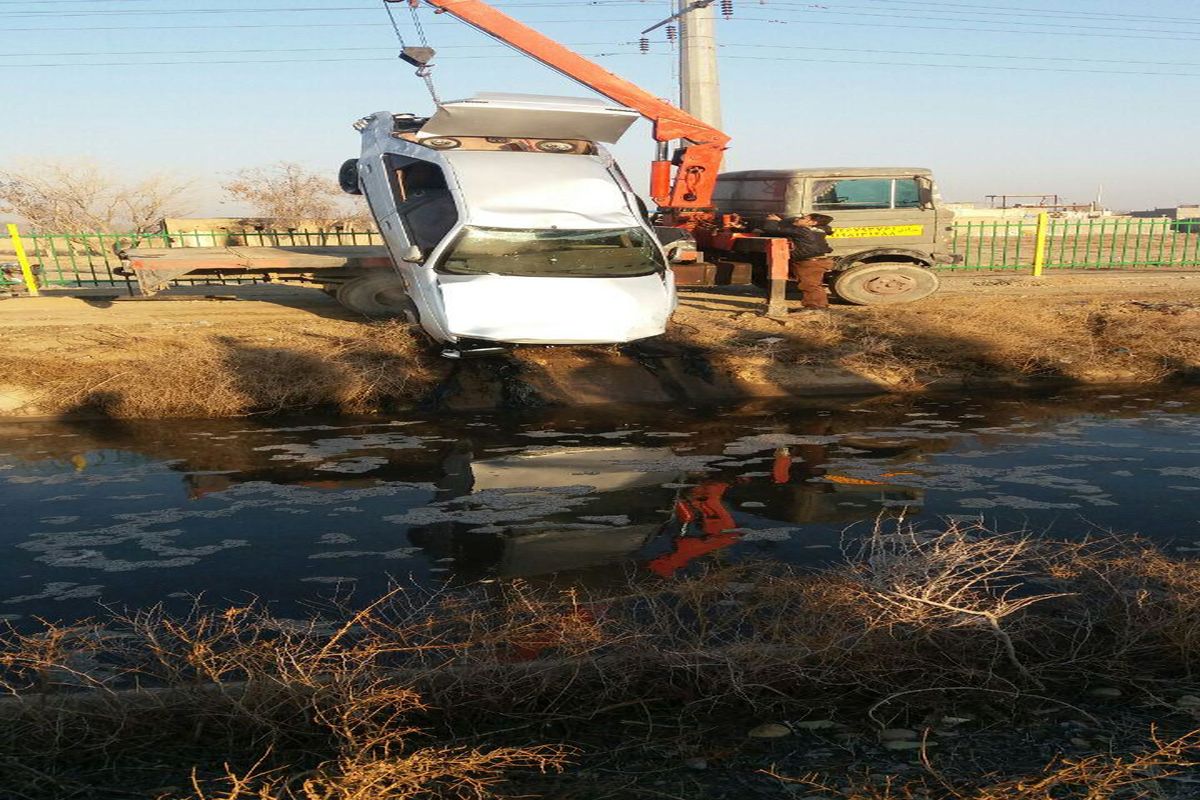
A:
(378, 294)
(884, 283)
(348, 177)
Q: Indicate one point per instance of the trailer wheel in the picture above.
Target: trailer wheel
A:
(884, 283)
(379, 294)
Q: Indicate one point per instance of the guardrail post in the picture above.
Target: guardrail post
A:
(777, 276)
(1039, 247)
(23, 259)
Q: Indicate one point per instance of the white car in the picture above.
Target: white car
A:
(510, 223)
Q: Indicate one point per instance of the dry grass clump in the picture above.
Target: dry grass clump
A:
(370, 705)
(238, 705)
(1096, 777)
(908, 346)
(1080, 340)
(345, 367)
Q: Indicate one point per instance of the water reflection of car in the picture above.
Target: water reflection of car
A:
(615, 518)
(640, 508)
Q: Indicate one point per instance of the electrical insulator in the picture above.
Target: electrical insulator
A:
(644, 44)
(672, 33)
(727, 9)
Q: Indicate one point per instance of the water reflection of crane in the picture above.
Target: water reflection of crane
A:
(700, 519)
(706, 523)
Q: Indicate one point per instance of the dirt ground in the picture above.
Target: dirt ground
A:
(221, 351)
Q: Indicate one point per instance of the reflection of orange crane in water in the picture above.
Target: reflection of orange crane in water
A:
(704, 506)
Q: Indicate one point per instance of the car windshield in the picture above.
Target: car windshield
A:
(620, 253)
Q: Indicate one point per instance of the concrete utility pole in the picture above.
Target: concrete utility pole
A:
(699, 84)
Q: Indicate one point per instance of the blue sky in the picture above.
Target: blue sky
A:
(1016, 96)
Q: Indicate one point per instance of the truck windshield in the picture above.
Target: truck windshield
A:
(620, 253)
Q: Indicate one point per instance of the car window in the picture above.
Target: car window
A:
(865, 193)
(841, 195)
(419, 178)
(618, 253)
(424, 201)
(908, 194)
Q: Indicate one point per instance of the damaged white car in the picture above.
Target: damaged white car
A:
(510, 223)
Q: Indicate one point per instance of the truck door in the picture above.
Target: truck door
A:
(869, 212)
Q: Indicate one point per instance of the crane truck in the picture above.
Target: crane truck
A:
(892, 230)
(508, 222)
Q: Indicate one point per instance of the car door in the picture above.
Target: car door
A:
(870, 212)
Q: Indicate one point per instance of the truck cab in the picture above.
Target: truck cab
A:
(510, 223)
(889, 225)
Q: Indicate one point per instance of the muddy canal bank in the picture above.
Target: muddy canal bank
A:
(275, 350)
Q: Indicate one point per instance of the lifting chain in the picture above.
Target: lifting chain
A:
(419, 57)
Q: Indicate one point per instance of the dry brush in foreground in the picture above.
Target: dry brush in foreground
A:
(446, 694)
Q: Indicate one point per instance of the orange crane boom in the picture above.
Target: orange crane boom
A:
(697, 163)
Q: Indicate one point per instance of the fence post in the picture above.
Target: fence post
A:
(1039, 247)
(23, 260)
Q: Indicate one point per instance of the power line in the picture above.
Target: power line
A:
(175, 12)
(1053, 12)
(277, 50)
(1002, 11)
(821, 60)
(573, 21)
(156, 28)
(743, 18)
(968, 66)
(824, 12)
(1122, 35)
(139, 12)
(725, 44)
(194, 62)
(799, 7)
(971, 55)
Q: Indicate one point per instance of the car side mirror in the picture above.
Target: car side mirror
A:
(413, 255)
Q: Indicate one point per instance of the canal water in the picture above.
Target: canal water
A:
(98, 515)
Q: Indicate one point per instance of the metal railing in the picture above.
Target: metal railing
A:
(1105, 243)
(89, 259)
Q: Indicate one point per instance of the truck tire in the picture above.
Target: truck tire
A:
(884, 283)
(377, 294)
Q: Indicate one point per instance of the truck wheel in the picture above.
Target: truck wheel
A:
(379, 294)
(884, 283)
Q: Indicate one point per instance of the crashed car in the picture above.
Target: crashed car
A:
(510, 223)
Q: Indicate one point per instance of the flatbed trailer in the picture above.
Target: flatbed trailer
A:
(154, 268)
(361, 277)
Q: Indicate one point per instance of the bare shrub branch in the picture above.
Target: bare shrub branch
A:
(82, 197)
(293, 197)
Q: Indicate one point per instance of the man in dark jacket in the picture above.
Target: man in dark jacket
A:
(809, 258)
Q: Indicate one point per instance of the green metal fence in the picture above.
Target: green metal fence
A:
(89, 259)
(1107, 243)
